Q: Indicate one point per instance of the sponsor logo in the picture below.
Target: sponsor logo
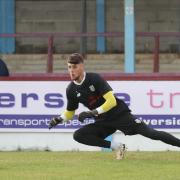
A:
(50, 100)
(38, 122)
(125, 97)
(42, 121)
(160, 99)
(138, 121)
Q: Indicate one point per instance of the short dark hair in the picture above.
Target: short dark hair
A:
(75, 58)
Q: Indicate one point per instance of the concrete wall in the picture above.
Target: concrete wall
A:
(158, 16)
(36, 63)
(64, 142)
(65, 16)
(53, 16)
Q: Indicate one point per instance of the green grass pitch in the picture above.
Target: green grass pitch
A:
(89, 166)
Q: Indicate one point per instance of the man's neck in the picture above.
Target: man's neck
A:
(81, 79)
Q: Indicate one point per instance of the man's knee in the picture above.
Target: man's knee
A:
(77, 136)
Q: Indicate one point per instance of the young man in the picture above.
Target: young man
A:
(109, 112)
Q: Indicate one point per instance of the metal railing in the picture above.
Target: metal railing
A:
(155, 35)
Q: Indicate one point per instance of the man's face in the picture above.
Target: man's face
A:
(76, 71)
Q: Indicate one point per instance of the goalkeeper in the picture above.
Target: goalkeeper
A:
(109, 112)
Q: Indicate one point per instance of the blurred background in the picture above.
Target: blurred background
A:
(135, 43)
(43, 32)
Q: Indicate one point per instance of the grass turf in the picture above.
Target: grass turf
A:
(89, 166)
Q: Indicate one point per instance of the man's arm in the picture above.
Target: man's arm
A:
(65, 116)
(106, 106)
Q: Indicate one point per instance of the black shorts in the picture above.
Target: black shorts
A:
(125, 122)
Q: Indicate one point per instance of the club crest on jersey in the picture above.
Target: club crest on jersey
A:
(92, 88)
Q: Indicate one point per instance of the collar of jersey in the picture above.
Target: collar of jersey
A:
(81, 81)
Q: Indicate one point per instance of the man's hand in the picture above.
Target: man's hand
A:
(54, 121)
(87, 114)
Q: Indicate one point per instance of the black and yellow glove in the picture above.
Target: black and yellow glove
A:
(54, 121)
(87, 114)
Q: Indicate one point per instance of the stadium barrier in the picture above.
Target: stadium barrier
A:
(27, 102)
(155, 35)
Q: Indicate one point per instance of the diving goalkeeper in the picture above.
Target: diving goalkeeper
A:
(109, 112)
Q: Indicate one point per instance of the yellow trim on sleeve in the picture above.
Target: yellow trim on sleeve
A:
(68, 115)
(110, 101)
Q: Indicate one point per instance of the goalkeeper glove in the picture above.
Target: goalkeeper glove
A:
(87, 114)
(54, 121)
